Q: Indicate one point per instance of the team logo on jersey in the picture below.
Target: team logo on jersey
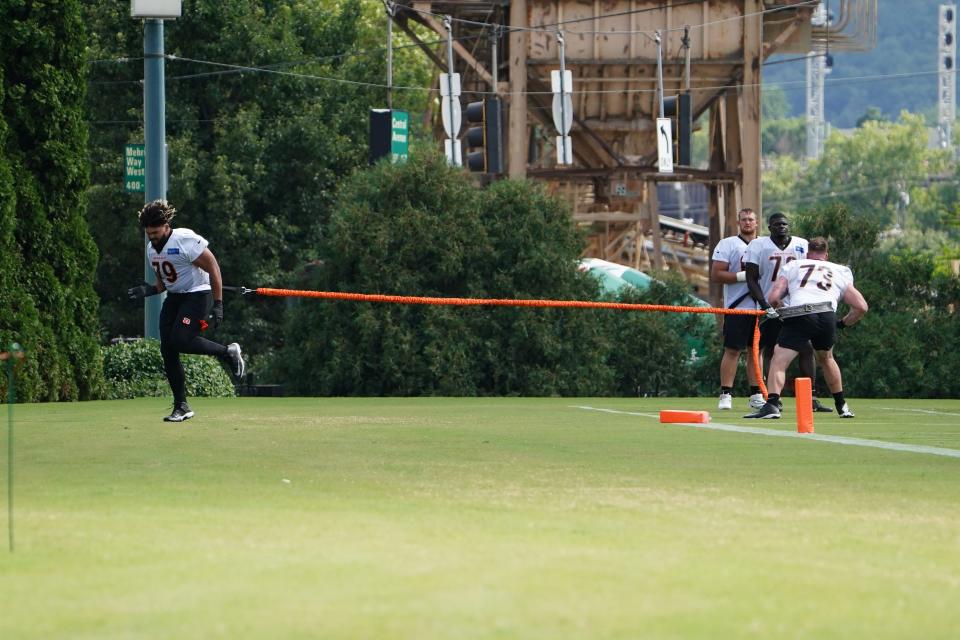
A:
(186, 321)
(799, 250)
(173, 251)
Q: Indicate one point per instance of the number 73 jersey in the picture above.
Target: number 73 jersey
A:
(174, 266)
(810, 281)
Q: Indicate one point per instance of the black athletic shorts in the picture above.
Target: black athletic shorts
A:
(819, 328)
(181, 315)
(769, 332)
(738, 331)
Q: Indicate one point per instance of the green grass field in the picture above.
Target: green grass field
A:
(477, 518)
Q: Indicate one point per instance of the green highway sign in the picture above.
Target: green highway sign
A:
(134, 168)
(399, 136)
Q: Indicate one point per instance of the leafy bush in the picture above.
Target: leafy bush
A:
(135, 370)
(651, 351)
(905, 345)
(421, 229)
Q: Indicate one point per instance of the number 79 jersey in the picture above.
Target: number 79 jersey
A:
(174, 266)
(811, 281)
(770, 259)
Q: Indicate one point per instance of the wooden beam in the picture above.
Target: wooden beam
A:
(750, 104)
(517, 122)
(653, 211)
(467, 57)
(585, 133)
(401, 21)
(769, 48)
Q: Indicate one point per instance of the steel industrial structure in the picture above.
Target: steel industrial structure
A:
(712, 49)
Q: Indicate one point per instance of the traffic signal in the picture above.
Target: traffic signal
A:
(484, 136)
(680, 108)
(947, 46)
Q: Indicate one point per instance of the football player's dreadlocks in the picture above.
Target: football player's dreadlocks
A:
(156, 214)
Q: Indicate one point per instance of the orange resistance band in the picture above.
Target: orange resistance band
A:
(508, 302)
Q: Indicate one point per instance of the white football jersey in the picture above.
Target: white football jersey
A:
(174, 266)
(731, 250)
(812, 281)
(770, 258)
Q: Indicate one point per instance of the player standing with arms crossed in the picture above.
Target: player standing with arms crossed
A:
(728, 268)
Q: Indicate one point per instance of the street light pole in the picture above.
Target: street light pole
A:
(155, 131)
(153, 13)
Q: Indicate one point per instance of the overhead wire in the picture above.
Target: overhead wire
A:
(720, 87)
(833, 193)
(277, 68)
(552, 27)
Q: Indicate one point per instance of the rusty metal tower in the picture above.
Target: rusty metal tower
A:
(712, 50)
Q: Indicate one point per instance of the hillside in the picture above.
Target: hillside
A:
(906, 53)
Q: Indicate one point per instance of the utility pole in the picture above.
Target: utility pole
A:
(816, 72)
(153, 13)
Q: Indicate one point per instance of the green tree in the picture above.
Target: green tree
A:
(903, 346)
(872, 114)
(873, 172)
(783, 137)
(45, 152)
(255, 156)
(420, 229)
(773, 104)
(853, 237)
(780, 134)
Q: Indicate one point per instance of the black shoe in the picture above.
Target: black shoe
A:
(819, 408)
(845, 411)
(180, 413)
(768, 411)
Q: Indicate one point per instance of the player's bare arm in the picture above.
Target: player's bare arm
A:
(753, 284)
(857, 303)
(208, 263)
(776, 294)
(719, 273)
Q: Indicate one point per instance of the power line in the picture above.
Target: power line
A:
(552, 27)
(237, 68)
(828, 194)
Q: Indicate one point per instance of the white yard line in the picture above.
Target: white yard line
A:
(856, 442)
(938, 413)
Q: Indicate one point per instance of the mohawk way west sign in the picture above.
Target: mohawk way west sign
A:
(134, 168)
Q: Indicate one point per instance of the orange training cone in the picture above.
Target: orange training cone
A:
(696, 417)
(804, 392)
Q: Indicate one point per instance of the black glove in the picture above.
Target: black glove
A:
(840, 324)
(216, 316)
(141, 291)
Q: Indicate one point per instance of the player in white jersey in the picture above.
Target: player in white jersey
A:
(727, 267)
(814, 285)
(765, 258)
(188, 271)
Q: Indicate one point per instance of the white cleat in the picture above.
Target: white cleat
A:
(180, 413)
(237, 365)
(726, 401)
(757, 401)
(845, 411)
